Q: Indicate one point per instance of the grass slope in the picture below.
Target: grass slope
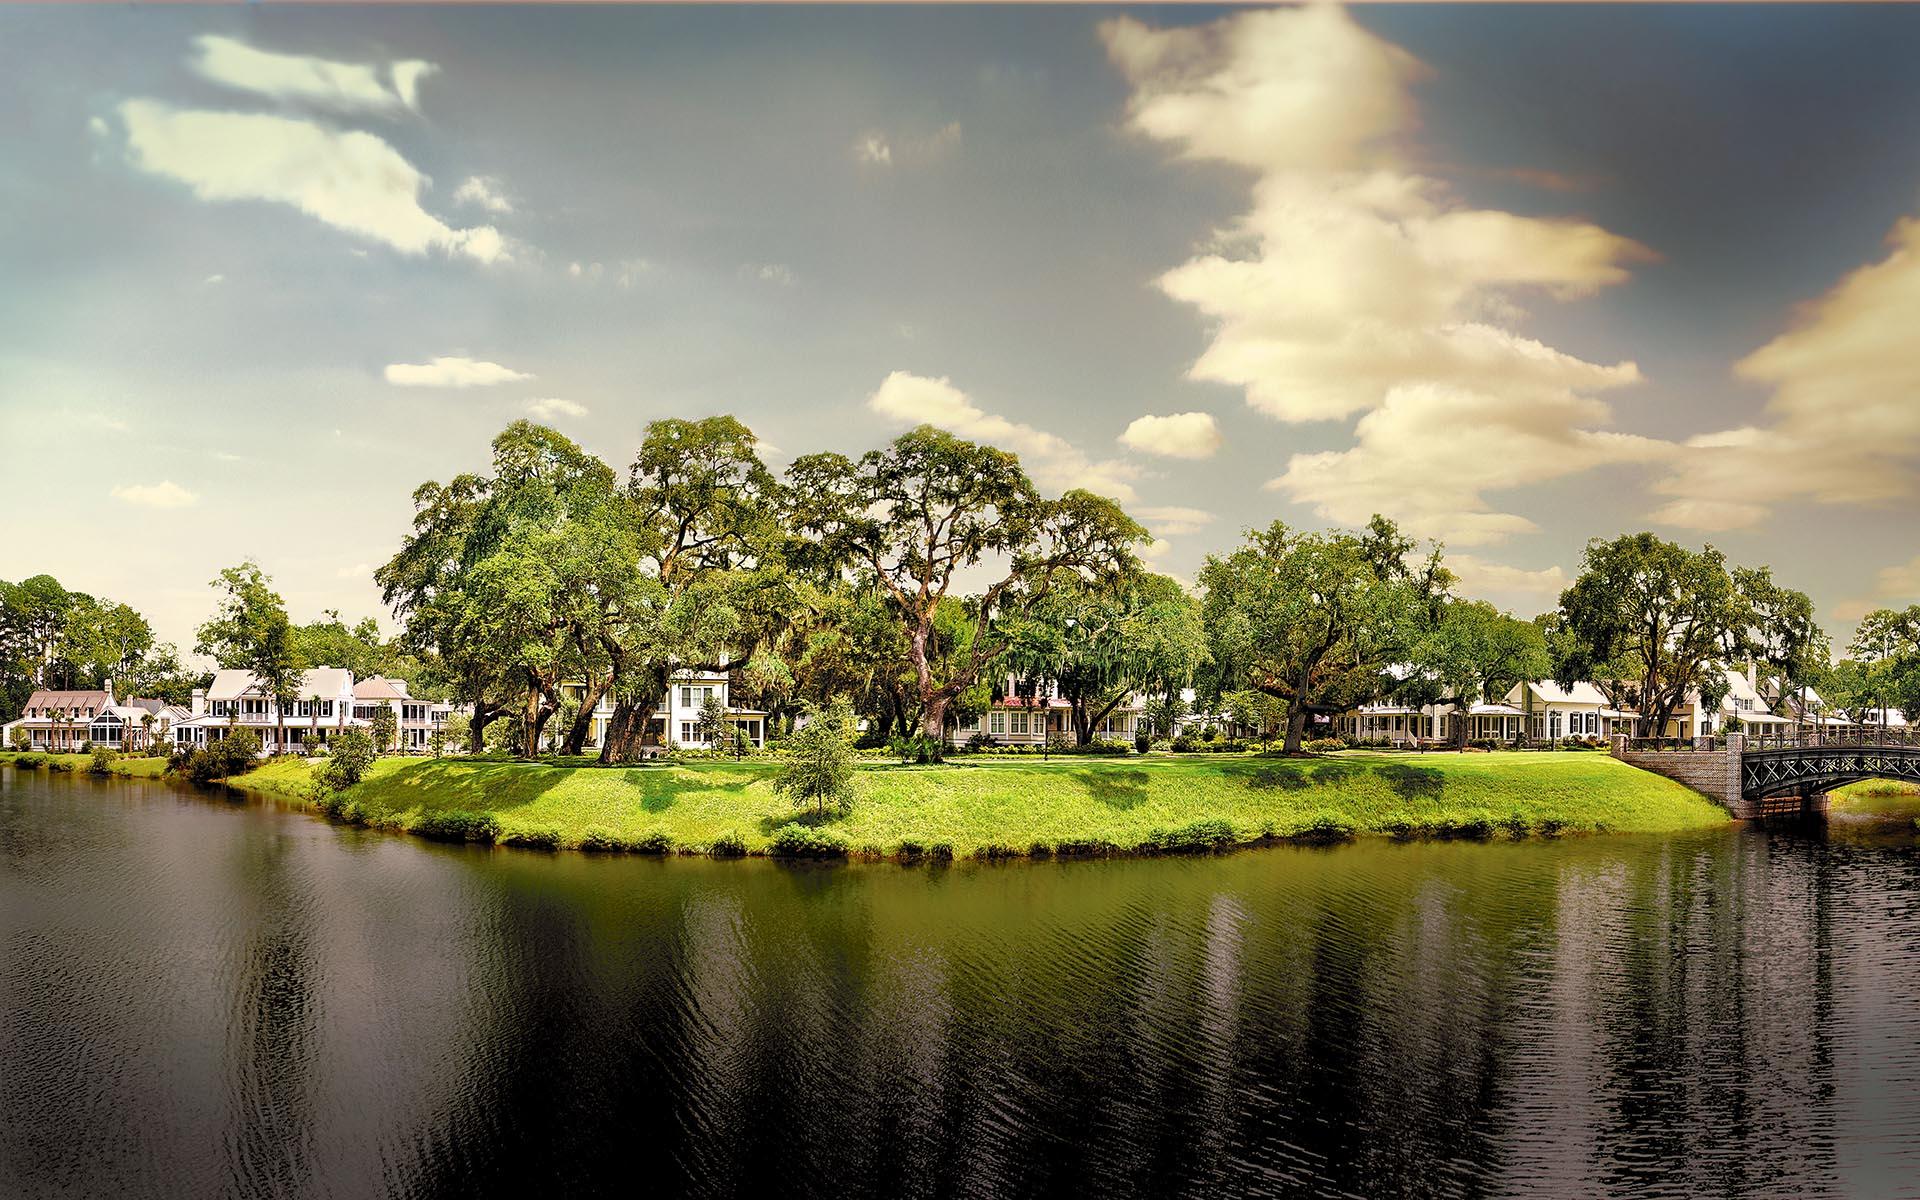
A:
(132, 768)
(1015, 804)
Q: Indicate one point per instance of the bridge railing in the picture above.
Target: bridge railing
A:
(1706, 744)
(1806, 738)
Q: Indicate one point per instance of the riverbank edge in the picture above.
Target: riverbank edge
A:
(125, 767)
(1665, 806)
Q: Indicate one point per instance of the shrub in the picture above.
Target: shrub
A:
(1552, 827)
(941, 852)
(1325, 827)
(729, 845)
(803, 841)
(1039, 850)
(1198, 837)
(1325, 745)
(1182, 743)
(60, 764)
(1516, 825)
(1142, 742)
(31, 762)
(654, 841)
(352, 754)
(913, 748)
(86, 747)
(911, 850)
(540, 837)
(981, 740)
(458, 825)
(22, 740)
(598, 840)
(102, 763)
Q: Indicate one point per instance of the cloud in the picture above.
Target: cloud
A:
(98, 126)
(484, 191)
(1480, 578)
(877, 149)
(1173, 521)
(1051, 460)
(352, 181)
(1182, 435)
(1355, 287)
(1894, 587)
(213, 279)
(774, 273)
(549, 407)
(626, 272)
(356, 571)
(165, 494)
(347, 87)
(452, 372)
(1841, 426)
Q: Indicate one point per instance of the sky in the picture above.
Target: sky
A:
(1516, 277)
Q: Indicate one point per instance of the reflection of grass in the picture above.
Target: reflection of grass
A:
(976, 803)
(133, 768)
(1888, 798)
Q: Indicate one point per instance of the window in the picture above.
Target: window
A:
(686, 731)
(686, 697)
(999, 722)
(1019, 722)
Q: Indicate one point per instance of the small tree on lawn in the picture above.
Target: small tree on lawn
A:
(459, 731)
(22, 740)
(713, 722)
(385, 726)
(820, 759)
(353, 753)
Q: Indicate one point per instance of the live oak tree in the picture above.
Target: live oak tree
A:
(1313, 619)
(249, 631)
(912, 518)
(1784, 637)
(1098, 641)
(1669, 618)
(1883, 670)
(1474, 653)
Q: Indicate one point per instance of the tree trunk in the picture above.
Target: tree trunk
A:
(483, 715)
(933, 725)
(583, 720)
(1296, 728)
(628, 730)
(1082, 724)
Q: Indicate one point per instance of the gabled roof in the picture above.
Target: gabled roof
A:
(1582, 693)
(324, 683)
(380, 687)
(50, 698)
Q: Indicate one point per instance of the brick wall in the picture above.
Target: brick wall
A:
(1715, 774)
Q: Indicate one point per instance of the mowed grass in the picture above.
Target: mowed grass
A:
(132, 768)
(1013, 805)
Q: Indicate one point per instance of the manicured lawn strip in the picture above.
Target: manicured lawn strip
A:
(132, 768)
(1012, 804)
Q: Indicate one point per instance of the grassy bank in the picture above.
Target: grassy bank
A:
(992, 806)
(130, 768)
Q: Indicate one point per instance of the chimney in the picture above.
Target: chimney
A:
(1750, 676)
(199, 702)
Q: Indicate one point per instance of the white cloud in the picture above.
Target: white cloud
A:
(1842, 426)
(1353, 285)
(213, 279)
(1894, 587)
(549, 407)
(484, 191)
(774, 273)
(1182, 435)
(1051, 460)
(1516, 586)
(452, 372)
(352, 181)
(626, 273)
(352, 87)
(878, 149)
(98, 126)
(165, 494)
(1172, 520)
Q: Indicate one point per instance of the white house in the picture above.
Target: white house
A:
(415, 721)
(676, 720)
(66, 720)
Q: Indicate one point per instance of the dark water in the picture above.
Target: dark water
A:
(206, 998)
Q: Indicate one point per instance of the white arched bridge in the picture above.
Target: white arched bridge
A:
(1776, 775)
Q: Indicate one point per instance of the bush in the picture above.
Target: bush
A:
(352, 754)
(1198, 837)
(458, 825)
(1039, 850)
(911, 850)
(1182, 743)
(102, 763)
(652, 842)
(598, 840)
(1325, 745)
(540, 837)
(86, 747)
(63, 765)
(31, 762)
(981, 740)
(729, 845)
(941, 852)
(913, 748)
(231, 755)
(1142, 742)
(803, 841)
(22, 740)
(1325, 827)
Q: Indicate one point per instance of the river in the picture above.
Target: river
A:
(203, 996)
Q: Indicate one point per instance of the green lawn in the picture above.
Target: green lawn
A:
(1015, 804)
(133, 768)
